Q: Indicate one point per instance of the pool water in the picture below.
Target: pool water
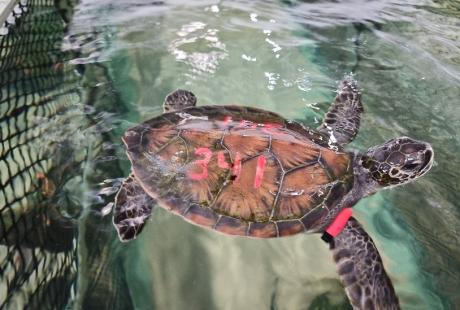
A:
(286, 57)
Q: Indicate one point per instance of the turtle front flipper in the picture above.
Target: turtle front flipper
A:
(341, 122)
(361, 269)
(132, 208)
(178, 100)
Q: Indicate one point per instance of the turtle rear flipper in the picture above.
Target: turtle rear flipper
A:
(341, 122)
(132, 208)
(178, 100)
(361, 269)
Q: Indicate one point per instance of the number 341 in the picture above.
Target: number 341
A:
(236, 167)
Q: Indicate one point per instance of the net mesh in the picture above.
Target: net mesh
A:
(37, 92)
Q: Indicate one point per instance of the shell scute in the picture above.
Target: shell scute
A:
(263, 230)
(232, 226)
(301, 191)
(200, 138)
(293, 152)
(201, 215)
(286, 228)
(201, 179)
(335, 162)
(314, 217)
(239, 198)
(247, 143)
(161, 136)
(173, 154)
(312, 135)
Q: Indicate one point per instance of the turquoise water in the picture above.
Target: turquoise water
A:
(283, 56)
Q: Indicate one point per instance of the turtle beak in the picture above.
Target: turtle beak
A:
(429, 158)
(418, 156)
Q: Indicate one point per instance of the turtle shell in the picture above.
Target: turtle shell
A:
(239, 170)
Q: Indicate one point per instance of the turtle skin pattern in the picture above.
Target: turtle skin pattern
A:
(239, 170)
(361, 270)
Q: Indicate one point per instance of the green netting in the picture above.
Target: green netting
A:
(37, 95)
(53, 130)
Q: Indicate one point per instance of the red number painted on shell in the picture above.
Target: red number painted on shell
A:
(228, 119)
(237, 167)
(266, 127)
(222, 163)
(203, 163)
(221, 160)
(261, 161)
(244, 124)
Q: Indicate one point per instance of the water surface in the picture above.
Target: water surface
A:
(284, 56)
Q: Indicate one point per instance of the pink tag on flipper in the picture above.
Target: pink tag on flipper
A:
(339, 222)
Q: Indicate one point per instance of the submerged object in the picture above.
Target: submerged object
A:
(249, 172)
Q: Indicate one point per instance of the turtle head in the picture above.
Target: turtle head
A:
(398, 161)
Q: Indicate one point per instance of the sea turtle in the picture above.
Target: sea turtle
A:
(249, 172)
